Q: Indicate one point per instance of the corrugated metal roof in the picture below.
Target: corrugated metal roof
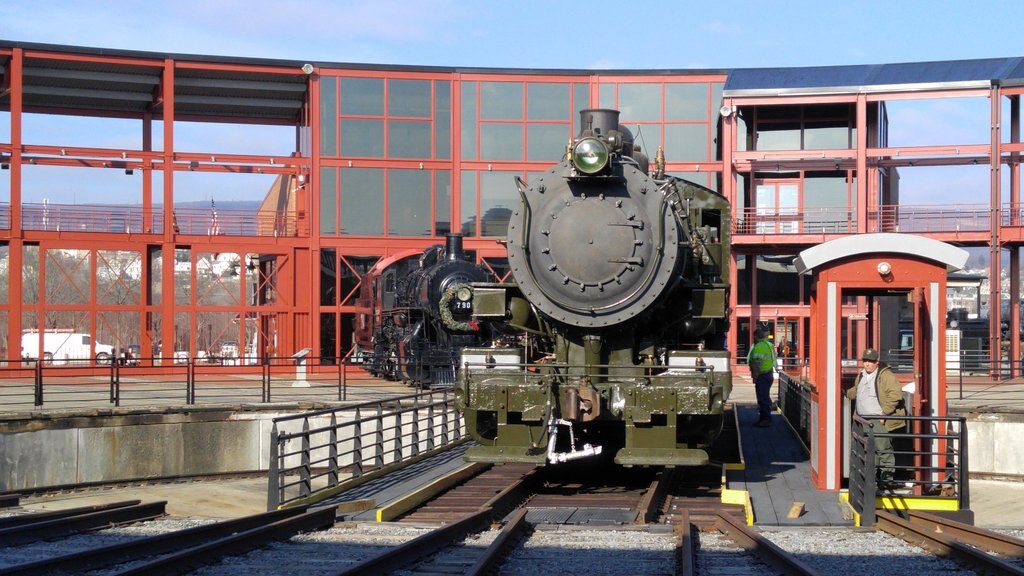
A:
(874, 77)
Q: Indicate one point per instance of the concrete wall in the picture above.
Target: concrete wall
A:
(994, 444)
(55, 451)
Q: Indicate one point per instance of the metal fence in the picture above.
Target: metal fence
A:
(318, 451)
(931, 462)
(148, 382)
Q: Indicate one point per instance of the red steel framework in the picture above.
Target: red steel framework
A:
(288, 247)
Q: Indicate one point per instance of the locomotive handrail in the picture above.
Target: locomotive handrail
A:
(520, 184)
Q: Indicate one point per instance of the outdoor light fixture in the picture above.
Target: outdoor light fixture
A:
(884, 268)
(725, 111)
(307, 69)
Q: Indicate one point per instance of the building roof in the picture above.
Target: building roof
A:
(875, 77)
(73, 79)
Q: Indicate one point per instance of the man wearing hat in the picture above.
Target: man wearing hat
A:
(878, 395)
(761, 360)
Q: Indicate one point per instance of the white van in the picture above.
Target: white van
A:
(61, 347)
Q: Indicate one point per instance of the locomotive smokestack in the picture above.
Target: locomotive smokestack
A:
(598, 121)
(453, 247)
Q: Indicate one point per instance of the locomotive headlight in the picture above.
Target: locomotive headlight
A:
(464, 294)
(590, 155)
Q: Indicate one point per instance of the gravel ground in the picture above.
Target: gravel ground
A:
(856, 552)
(565, 551)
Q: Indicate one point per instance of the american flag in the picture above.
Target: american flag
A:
(214, 226)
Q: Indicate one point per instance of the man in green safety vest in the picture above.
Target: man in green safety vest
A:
(761, 360)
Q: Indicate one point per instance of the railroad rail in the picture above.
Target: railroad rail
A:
(959, 542)
(167, 553)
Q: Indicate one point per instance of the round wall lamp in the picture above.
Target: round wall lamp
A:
(884, 268)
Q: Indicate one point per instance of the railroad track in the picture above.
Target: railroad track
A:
(166, 553)
(978, 549)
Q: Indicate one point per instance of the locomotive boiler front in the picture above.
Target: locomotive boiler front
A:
(593, 242)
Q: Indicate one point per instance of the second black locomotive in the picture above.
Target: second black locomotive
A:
(415, 314)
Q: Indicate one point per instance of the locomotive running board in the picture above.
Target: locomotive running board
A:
(661, 457)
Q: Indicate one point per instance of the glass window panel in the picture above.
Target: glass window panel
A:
(409, 98)
(442, 120)
(640, 102)
(408, 139)
(825, 204)
(826, 137)
(442, 202)
(707, 179)
(362, 211)
(329, 117)
(328, 201)
(468, 121)
(783, 136)
(606, 96)
(777, 280)
(409, 203)
(498, 197)
(686, 142)
(546, 142)
(501, 141)
(328, 277)
(501, 100)
(30, 276)
(362, 97)
(648, 136)
(547, 101)
(468, 200)
(686, 101)
(716, 95)
(363, 138)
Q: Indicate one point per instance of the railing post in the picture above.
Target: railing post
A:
(305, 474)
(332, 450)
(357, 445)
(378, 461)
(274, 495)
(430, 425)
(38, 383)
(115, 382)
(444, 424)
(415, 451)
(399, 445)
(190, 382)
(964, 468)
(265, 370)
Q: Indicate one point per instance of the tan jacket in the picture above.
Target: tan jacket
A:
(890, 396)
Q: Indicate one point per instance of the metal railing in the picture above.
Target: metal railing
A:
(317, 451)
(165, 382)
(795, 403)
(134, 219)
(909, 218)
(931, 462)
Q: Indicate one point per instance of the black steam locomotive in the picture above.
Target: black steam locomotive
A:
(620, 302)
(411, 322)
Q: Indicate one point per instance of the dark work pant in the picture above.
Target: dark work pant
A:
(763, 389)
(885, 457)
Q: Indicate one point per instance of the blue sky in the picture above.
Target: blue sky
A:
(536, 34)
(527, 34)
